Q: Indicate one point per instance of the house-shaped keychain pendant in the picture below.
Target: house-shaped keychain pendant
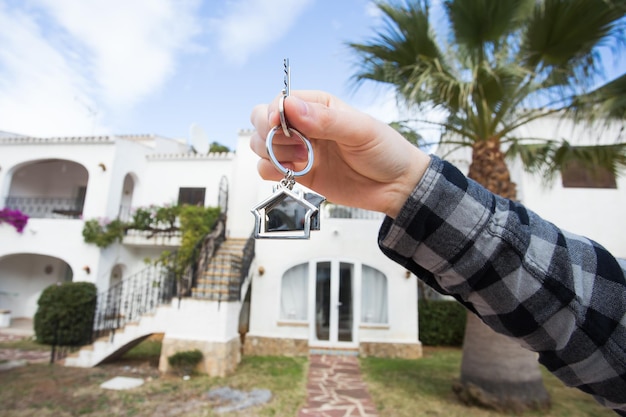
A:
(287, 214)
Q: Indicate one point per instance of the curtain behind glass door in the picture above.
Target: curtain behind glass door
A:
(322, 301)
(345, 302)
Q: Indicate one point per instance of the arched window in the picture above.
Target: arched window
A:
(294, 293)
(374, 301)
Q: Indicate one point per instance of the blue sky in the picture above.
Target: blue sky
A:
(94, 67)
(83, 67)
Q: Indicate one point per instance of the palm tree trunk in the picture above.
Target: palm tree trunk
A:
(495, 370)
(489, 168)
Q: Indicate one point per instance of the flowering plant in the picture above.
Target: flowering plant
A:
(15, 218)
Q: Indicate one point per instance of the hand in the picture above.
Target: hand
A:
(359, 161)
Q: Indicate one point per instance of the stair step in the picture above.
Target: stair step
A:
(215, 270)
(204, 281)
(210, 291)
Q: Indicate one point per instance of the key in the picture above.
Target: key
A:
(290, 212)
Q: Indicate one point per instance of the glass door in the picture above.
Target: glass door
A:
(334, 306)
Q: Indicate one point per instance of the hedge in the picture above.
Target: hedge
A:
(185, 362)
(66, 313)
(441, 323)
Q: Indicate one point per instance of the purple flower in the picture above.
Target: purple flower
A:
(15, 218)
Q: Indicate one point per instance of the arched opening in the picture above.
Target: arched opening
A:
(334, 297)
(48, 188)
(128, 189)
(24, 276)
(117, 273)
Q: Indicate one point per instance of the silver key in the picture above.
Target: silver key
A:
(290, 212)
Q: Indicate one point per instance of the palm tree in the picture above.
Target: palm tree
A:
(509, 62)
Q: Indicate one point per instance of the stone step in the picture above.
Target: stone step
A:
(208, 282)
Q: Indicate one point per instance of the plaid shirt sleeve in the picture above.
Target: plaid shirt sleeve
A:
(561, 295)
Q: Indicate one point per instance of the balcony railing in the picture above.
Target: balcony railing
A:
(47, 207)
(335, 211)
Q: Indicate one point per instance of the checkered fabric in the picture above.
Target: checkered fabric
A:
(561, 295)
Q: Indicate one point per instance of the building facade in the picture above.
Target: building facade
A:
(333, 291)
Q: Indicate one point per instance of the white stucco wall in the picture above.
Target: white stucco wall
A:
(592, 212)
(160, 167)
(350, 241)
(247, 188)
(164, 174)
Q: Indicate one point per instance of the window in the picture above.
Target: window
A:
(374, 303)
(578, 175)
(294, 293)
(191, 196)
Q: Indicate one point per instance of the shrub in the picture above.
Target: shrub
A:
(441, 323)
(103, 234)
(185, 361)
(65, 314)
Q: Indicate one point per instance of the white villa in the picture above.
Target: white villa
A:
(333, 291)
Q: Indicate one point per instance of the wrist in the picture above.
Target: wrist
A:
(407, 182)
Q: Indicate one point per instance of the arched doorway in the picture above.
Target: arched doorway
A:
(128, 189)
(24, 276)
(335, 297)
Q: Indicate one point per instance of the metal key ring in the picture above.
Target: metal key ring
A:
(270, 152)
(281, 112)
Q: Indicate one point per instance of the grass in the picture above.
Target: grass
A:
(45, 390)
(400, 388)
(24, 344)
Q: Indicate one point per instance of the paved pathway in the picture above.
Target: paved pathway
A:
(16, 357)
(336, 388)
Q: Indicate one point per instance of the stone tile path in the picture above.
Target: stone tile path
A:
(18, 356)
(336, 388)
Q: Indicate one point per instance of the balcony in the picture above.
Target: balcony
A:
(47, 207)
(147, 238)
(335, 211)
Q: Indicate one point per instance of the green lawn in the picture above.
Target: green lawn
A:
(399, 388)
(403, 388)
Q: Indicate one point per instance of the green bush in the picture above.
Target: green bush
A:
(65, 314)
(103, 234)
(441, 323)
(185, 361)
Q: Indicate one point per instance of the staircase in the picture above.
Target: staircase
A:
(221, 280)
(117, 343)
(142, 305)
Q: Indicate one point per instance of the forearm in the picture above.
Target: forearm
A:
(558, 293)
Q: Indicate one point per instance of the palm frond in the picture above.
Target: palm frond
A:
(479, 22)
(561, 38)
(548, 157)
(606, 102)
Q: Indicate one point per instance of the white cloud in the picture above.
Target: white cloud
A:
(64, 64)
(40, 92)
(250, 25)
(131, 45)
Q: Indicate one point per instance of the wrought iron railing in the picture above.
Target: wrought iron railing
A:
(205, 251)
(246, 261)
(128, 300)
(47, 207)
(140, 294)
(335, 211)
